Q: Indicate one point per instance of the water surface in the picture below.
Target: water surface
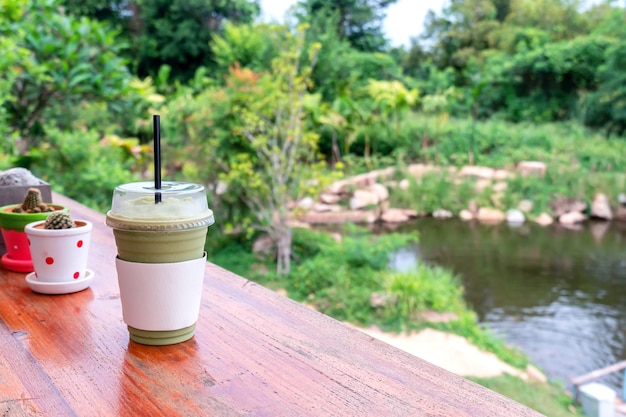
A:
(557, 294)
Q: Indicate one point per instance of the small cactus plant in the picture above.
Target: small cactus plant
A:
(59, 220)
(32, 203)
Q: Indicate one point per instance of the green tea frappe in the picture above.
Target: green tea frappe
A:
(160, 236)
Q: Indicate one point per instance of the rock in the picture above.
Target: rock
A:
(382, 300)
(397, 215)
(442, 214)
(535, 375)
(306, 203)
(404, 184)
(501, 174)
(515, 216)
(18, 177)
(321, 207)
(526, 168)
(601, 208)
(437, 316)
(386, 173)
(380, 190)
(489, 215)
(564, 205)
(418, 170)
(500, 187)
(354, 216)
(263, 245)
(573, 217)
(481, 184)
(466, 215)
(295, 224)
(339, 187)
(526, 206)
(363, 198)
(544, 219)
(621, 198)
(477, 171)
(328, 198)
(621, 213)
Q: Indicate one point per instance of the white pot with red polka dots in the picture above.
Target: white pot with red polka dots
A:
(59, 257)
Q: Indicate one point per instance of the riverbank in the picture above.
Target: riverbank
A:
(530, 191)
(453, 353)
(456, 354)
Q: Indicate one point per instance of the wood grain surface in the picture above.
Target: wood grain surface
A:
(255, 353)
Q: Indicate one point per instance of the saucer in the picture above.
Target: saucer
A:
(59, 287)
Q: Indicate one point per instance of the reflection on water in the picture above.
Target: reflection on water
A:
(557, 294)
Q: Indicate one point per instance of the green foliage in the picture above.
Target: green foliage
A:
(232, 253)
(177, 34)
(424, 288)
(248, 46)
(437, 190)
(309, 243)
(59, 60)
(549, 399)
(357, 21)
(607, 106)
(543, 84)
(357, 255)
(101, 166)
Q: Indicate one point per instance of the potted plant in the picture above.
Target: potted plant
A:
(13, 219)
(59, 247)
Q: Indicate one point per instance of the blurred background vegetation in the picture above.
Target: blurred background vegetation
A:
(491, 82)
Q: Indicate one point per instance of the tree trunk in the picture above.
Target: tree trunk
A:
(336, 152)
(283, 250)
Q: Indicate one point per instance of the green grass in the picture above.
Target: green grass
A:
(549, 399)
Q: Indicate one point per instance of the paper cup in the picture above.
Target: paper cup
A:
(161, 301)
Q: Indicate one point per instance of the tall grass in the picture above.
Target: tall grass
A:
(503, 144)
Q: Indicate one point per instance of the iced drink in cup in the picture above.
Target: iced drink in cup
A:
(160, 236)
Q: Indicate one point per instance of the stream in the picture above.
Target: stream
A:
(557, 294)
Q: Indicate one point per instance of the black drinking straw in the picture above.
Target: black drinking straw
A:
(156, 119)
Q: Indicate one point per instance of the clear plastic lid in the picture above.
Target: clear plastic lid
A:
(176, 206)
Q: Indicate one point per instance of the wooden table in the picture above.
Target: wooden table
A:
(255, 353)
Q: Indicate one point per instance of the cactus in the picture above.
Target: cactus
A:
(32, 203)
(59, 220)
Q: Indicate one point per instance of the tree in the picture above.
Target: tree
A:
(177, 33)
(357, 21)
(275, 172)
(247, 45)
(58, 60)
(607, 106)
(248, 141)
(461, 32)
(392, 98)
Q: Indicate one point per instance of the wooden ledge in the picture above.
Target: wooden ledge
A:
(255, 353)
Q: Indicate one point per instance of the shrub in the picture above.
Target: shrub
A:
(424, 288)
